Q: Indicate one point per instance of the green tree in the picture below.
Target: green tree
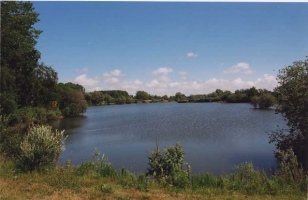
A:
(292, 100)
(97, 97)
(179, 96)
(71, 102)
(73, 86)
(254, 101)
(165, 97)
(252, 92)
(219, 92)
(18, 54)
(142, 95)
(266, 100)
(46, 80)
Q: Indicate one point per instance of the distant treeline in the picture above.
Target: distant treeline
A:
(110, 97)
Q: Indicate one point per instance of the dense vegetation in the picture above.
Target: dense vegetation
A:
(261, 98)
(292, 98)
(26, 84)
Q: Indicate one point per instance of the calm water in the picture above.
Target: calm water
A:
(215, 137)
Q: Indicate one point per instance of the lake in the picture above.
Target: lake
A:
(215, 137)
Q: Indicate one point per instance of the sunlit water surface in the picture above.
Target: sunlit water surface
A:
(215, 137)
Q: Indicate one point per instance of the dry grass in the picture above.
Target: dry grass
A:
(25, 188)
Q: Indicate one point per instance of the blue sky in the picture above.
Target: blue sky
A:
(164, 48)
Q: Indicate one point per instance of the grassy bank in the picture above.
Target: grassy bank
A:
(98, 180)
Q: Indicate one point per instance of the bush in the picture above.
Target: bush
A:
(40, 148)
(10, 139)
(14, 118)
(8, 104)
(40, 114)
(290, 169)
(266, 100)
(27, 115)
(166, 166)
(99, 166)
(51, 114)
(254, 101)
(72, 102)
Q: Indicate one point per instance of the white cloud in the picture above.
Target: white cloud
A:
(164, 79)
(137, 82)
(113, 73)
(111, 80)
(162, 70)
(165, 85)
(89, 84)
(157, 86)
(191, 54)
(85, 81)
(241, 67)
(248, 72)
(231, 71)
(182, 73)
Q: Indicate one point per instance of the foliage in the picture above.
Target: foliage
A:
(73, 86)
(142, 95)
(18, 54)
(45, 91)
(10, 139)
(166, 166)
(72, 102)
(29, 115)
(99, 166)
(40, 148)
(255, 101)
(292, 99)
(8, 104)
(266, 100)
(289, 166)
(179, 96)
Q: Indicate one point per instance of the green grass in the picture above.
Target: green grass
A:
(98, 179)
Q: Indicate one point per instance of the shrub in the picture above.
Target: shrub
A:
(84, 168)
(40, 114)
(40, 148)
(254, 101)
(14, 118)
(99, 166)
(10, 139)
(290, 169)
(266, 100)
(27, 115)
(72, 102)
(143, 182)
(8, 104)
(51, 114)
(166, 166)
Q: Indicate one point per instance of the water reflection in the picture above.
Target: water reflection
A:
(68, 124)
(215, 137)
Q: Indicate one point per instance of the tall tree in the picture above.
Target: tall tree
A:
(292, 99)
(142, 95)
(18, 54)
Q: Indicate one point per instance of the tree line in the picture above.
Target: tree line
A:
(261, 98)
